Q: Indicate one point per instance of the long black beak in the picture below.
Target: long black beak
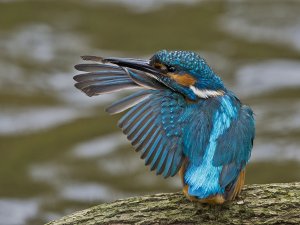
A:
(137, 64)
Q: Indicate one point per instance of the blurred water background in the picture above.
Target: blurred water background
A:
(60, 152)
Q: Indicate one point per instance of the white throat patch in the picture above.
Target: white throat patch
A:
(205, 93)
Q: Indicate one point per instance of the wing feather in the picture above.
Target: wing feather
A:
(152, 112)
(161, 164)
(136, 119)
(150, 127)
(93, 90)
(157, 155)
(153, 150)
(96, 77)
(127, 102)
(150, 143)
(141, 131)
(93, 67)
(131, 112)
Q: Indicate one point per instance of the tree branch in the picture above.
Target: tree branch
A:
(258, 204)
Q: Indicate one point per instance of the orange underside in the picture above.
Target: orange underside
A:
(216, 199)
(238, 186)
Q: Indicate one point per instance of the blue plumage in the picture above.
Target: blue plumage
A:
(203, 178)
(192, 63)
(183, 118)
(151, 121)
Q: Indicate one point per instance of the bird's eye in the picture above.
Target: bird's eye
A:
(171, 69)
(161, 67)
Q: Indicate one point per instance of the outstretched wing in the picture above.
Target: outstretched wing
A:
(154, 127)
(153, 124)
(102, 78)
(234, 146)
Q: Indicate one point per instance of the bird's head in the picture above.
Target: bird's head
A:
(182, 71)
(189, 73)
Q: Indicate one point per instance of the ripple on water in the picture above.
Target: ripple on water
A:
(144, 6)
(278, 150)
(100, 146)
(13, 121)
(278, 116)
(251, 22)
(119, 166)
(16, 211)
(40, 43)
(89, 192)
(51, 173)
(254, 79)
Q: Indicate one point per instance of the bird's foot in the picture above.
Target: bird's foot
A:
(213, 200)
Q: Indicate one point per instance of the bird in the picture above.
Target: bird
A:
(180, 118)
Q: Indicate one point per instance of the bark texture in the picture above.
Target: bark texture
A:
(266, 204)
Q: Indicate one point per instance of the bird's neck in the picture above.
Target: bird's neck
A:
(209, 86)
(207, 93)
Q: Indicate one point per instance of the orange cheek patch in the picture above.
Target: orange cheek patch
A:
(185, 79)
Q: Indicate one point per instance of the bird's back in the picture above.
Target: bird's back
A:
(217, 145)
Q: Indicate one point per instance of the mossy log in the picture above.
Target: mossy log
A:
(258, 204)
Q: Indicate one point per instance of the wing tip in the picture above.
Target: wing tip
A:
(82, 67)
(111, 111)
(77, 66)
(77, 77)
(92, 58)
(86, 90)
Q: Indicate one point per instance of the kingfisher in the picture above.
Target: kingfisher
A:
(181, 119)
